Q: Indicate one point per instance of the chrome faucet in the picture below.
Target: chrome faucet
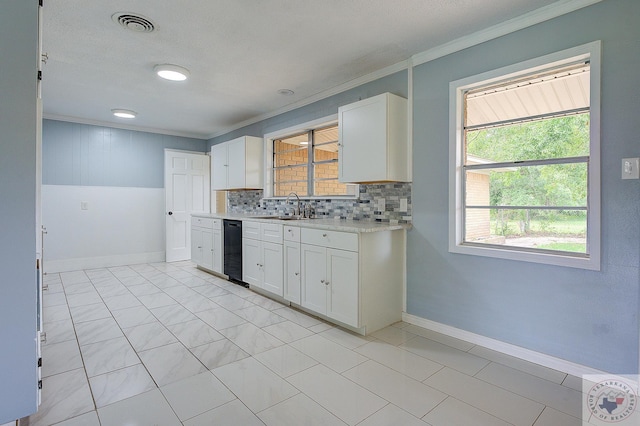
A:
(296, 211)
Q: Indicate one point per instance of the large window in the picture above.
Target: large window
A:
(306, 162)
(524, 170)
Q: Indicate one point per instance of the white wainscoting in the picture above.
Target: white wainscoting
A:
(120, 226)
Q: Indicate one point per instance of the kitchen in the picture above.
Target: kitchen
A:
(553, 311)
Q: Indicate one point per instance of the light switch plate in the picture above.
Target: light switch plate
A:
(630, 168)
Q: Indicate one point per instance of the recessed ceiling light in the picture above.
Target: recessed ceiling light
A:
(171, 72)
(286, 92)
(304, 143)
(124, 113)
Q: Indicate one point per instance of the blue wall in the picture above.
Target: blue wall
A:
(86, 155)
(590, 318)
(395, 83)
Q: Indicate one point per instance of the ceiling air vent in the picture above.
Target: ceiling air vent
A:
(133, 22)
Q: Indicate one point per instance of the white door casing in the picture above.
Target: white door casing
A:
(187, 183)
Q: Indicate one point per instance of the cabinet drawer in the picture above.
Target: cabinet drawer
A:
(204, 222)
(292, 233)
(216, 224)
(330, 239)
(250, 229)
(271, 232)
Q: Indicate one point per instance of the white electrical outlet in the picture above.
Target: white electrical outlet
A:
(630, 168)
(381, 205)
(403, 204)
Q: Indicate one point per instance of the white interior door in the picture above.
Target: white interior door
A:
(186, 183)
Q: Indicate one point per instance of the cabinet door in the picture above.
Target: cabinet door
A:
(251, 261)
(218, 249)
(342, 270)
(272, 277)
(207, 248)
(236, 169)
(292, 277)
(219, 167)
(313, 261)
(196, 245)
(363, 140)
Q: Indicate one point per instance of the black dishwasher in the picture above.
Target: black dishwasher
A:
(233, 250)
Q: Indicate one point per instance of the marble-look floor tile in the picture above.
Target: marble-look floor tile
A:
(97, 331)
(171, 363)
(439, 337)
(445, 355)
(233, 413)
(89, 312)
(86, 419)
(320, 327)
(79, 288)
(149, 408)
(408, 394)
(83, 299)
(53, 299)
(73, 277)
(264, 302)
(288, 331)
(250, 338)
(156, 300)
(112, 290)
(298, 317)
(259, 316)
(254, 384)
(393, 335)
(121, 302)
(192, 281)
(164, 281)
(454, 412)
(60, 357)
(568, 401)
(108, 355)
(194, 333)
(328, 353)
(298, 410)
(120, 384)
(149, 336)
(232, 302)
(130, 317)
(64, 396)
(173, 314)
(285, 360)
(198, 303)
(132, 280)
(519, 364)
(345, 338)
(122, 271)
(551, 417)
(391, 415)
(196, 394)
(216, 354)
(489, 398)
(144, 289)
(400, 360)
(59, 331)
(220, 318)
(345, 399)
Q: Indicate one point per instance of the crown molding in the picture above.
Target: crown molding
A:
(529, 19)
(367, 78)
(123, 126)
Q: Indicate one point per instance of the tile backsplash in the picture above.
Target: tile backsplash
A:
(376, 202)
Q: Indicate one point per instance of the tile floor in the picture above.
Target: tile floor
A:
(167, 344)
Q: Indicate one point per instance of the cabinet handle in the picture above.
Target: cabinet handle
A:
(257, 264)
(296, 273)
(324, 235)
(199, 246)
(326, 283)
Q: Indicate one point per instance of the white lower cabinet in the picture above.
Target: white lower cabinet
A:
(292, 275)
(330, 283)
(206, 243)
(355, 279)
(262, 251)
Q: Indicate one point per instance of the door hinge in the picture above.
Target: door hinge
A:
(39, 384)
(40, 362)
(39, 75)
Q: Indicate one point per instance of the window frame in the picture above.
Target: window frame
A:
(590, 51)
(298, 129)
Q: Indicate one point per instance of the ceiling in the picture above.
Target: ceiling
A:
(239, 53)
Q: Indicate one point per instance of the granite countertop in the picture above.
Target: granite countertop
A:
(344, 225)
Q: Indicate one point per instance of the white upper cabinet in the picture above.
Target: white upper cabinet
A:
(237, 164)
(374, 144)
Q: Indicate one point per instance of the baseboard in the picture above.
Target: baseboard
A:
(65, 265)
(506, 348)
